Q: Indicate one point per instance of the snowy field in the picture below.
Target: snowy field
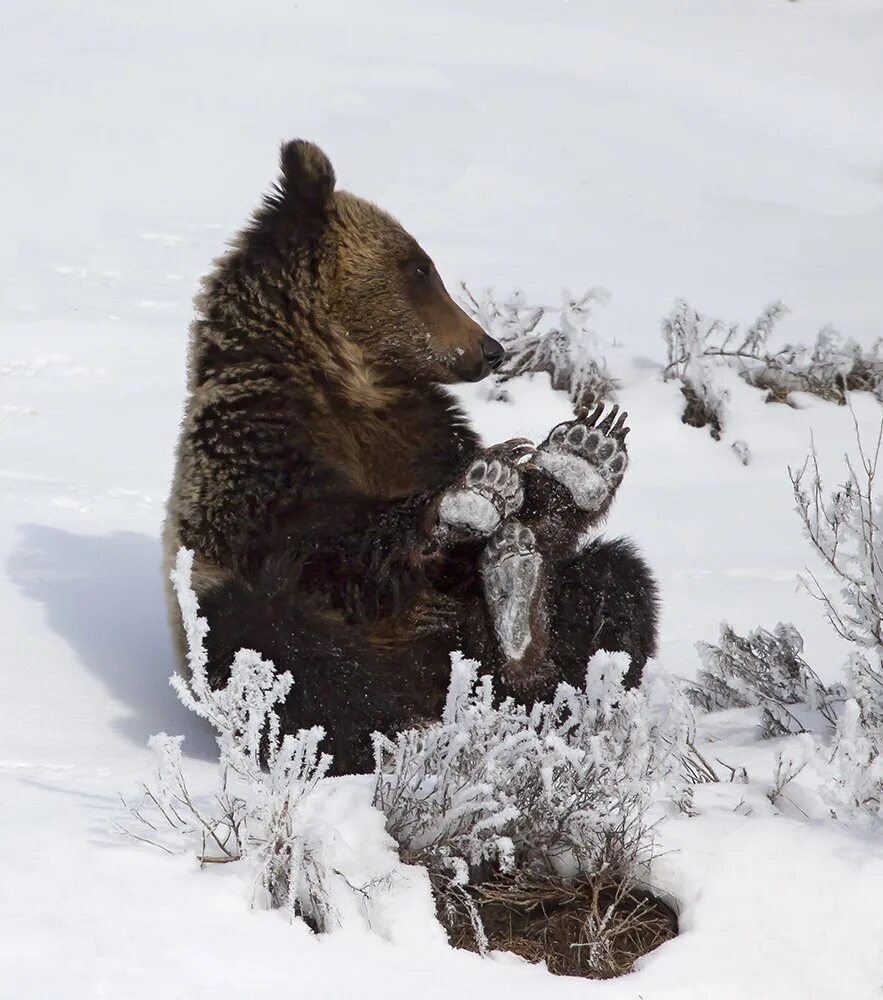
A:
(728, 151)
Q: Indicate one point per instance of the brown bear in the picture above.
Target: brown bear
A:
(346, 521)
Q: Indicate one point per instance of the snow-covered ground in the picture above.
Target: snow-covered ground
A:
(725, 150)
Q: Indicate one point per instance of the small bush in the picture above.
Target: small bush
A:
(697, 345)
(263, 777)
(494, 797)
(845, 528)
(763, 668)
(691, 341)
(557, 341)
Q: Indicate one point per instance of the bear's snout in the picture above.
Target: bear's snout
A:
(489, 356)
(493, 352)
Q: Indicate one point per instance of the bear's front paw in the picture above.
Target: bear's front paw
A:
(489, 492)
(587, 456)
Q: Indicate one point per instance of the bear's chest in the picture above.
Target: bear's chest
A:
(400, 453)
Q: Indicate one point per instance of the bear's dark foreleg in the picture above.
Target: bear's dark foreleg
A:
(547, 621)
(341, 681)
(606, 598)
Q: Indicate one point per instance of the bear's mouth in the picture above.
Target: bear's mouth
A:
(492, 355)
(475, 372)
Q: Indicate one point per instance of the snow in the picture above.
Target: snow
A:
(724, 150)
(469, 509)
(586, 484)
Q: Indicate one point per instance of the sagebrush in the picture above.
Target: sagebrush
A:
(498, 798)
(698, 346)
(555, 340)
(764, 668)
(843, 722)
(845, 528)
(263, 777)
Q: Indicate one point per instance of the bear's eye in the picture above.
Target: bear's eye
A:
(421, 270)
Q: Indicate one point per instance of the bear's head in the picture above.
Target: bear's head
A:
(376, 284)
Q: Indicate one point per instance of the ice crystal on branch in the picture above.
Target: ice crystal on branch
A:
(763, 668)
(557, 341)
(845, 528)
(498, 787)
(697, 345)
(263, 778)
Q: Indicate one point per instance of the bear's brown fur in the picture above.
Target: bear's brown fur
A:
(316, 444)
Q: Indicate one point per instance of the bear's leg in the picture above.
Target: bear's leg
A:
(342, 681)
(514, 579)
(606, 598)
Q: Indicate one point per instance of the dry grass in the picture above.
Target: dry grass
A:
(594, 927)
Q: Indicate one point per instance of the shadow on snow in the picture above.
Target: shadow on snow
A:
(104, 595)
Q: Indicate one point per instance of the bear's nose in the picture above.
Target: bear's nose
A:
(493, 352)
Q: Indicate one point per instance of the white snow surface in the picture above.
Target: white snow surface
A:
(729, 151)
(470, 509)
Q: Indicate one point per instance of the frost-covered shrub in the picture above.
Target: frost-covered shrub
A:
(494, 786)
(853, 768)
(534, 824)
(696, 345)
(263, 778)
(831, 368)
(557, 341)
(763, 668)
(845, 528)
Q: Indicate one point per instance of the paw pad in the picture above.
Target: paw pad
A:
(517, 536)
(511, 571)
(577, 435)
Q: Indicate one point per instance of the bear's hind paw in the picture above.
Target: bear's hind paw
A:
(511, 570)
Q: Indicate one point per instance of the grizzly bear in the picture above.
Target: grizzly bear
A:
(346, 521)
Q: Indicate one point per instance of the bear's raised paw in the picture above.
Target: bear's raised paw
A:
(489, 492)
(587, 456)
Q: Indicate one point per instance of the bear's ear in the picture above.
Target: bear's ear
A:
(296, 208)
(307, 175)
